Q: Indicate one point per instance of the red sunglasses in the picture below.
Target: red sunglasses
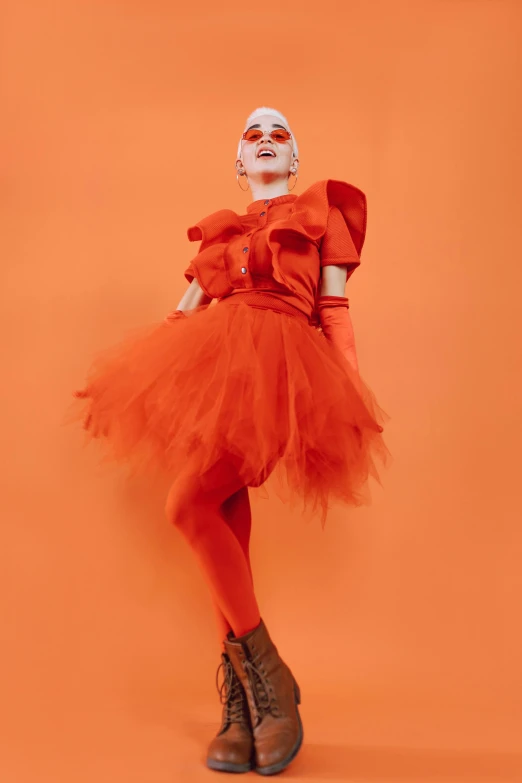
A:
(280, 135)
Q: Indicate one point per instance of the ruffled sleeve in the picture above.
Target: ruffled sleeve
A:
(333, 214)
(337, 245)
(313, 210)
(208, 266)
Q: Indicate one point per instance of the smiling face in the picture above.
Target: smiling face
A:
(266, 160)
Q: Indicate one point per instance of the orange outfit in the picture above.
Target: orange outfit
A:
(280, 245)
(250, 382)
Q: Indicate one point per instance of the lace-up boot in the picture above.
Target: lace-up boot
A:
(232, 749)
(273, 696)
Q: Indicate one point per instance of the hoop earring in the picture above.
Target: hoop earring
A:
(295, 180)
(242, 175)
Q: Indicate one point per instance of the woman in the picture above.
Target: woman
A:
(266, 382)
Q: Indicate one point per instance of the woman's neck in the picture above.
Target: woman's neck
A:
(268, 190)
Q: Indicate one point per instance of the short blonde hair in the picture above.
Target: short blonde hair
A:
(266, 110)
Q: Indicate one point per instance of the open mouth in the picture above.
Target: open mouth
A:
(266, 153)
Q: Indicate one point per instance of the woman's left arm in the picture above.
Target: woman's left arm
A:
(333, 311)
(333, 280)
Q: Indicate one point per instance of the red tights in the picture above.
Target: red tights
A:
(217, 524)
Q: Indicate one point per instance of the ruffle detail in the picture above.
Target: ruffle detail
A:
(311, 209)
(209, 267)
(309, 218)
(307, 222)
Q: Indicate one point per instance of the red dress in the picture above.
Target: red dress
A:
(250, 379)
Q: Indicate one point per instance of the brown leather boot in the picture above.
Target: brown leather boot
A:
(273, 696)
(232, 750)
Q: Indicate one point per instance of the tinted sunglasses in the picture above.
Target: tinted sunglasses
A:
(280, 135)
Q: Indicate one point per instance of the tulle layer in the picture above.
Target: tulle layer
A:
(258, 389)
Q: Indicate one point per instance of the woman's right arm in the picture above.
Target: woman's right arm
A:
(193, 297)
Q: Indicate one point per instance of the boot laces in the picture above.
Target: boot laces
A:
(231, 695)
(263, 695)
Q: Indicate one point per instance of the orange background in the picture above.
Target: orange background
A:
(119, 127)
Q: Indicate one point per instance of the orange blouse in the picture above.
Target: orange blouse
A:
(281, 244)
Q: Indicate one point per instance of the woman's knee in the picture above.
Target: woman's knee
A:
(182, 505)
(194, 512)
(192, 503)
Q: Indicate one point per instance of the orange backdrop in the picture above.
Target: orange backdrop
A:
(402, 621)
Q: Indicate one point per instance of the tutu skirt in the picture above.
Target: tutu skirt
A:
(247, 380)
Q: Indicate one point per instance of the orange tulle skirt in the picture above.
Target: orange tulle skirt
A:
(247, 381)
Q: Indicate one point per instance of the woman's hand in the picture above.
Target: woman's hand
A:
(337, 326)
(193, 298)
(175, 315)
(333, 312)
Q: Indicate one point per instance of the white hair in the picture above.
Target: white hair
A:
(266, 110)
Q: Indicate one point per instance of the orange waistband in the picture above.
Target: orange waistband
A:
(264, 301)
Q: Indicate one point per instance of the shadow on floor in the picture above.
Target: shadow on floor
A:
(390, 765)
(399, 765)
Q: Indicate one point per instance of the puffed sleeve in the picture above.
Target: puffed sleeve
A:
(337, 246)
(208, 266)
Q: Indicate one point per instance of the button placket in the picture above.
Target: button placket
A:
(261, 224)
(263, 212)
(244, 270)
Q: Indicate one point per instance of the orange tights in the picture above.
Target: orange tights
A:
(217, 523)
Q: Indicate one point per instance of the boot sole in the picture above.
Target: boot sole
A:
(224, 766)
(275, 769)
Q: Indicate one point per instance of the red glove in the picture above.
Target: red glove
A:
(337, 326)
(176, 315)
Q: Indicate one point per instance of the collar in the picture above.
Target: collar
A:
(256, 205)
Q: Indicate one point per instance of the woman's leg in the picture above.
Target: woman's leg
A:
(202, 508)
(238, 516)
